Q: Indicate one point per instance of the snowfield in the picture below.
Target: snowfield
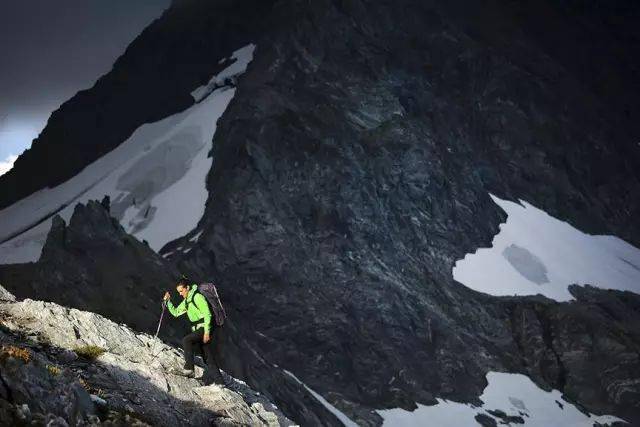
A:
(335, 411)
(241, 59)
(535, 253)
(513, 394)
(156, 179)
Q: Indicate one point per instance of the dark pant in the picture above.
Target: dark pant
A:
(194, 339)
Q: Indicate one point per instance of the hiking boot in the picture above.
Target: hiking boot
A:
(184, 372)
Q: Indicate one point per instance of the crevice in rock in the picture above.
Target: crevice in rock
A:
(7, 388)
(518, 338)
(547, 336)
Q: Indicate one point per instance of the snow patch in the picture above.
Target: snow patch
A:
(513, 394)
(535, 253)
(335, 411)
(177, 209)
(240, 58)
(195, 238)
(156, 180)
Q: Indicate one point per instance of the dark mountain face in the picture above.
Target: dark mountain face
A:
(92, 264)
(353, 168)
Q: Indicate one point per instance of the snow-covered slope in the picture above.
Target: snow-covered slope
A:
(335, 411)
(506, 395)
(535, 253)
(239, 62)
(156, 178)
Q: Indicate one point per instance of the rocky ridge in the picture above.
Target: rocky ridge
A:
(47, 378)
(79, 258)
(92, 264)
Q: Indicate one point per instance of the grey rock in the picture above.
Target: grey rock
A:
(506, 419)
(23, 412)
(5, 295)
(67, 356)
(133, 375)
(485, 420)
(98, 401)
(55, 421)
(80, 406)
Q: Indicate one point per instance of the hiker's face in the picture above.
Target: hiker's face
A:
(182, 290)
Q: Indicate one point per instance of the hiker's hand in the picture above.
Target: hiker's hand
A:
(166, 296)
(206, 338)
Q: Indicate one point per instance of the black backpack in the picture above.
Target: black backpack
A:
(210, 293)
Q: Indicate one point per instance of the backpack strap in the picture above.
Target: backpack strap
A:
(206, 300)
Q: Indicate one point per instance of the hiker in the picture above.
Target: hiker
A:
(202, 325)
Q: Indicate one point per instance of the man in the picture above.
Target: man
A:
(199, 313)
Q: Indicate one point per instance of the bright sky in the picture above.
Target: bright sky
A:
(7, 163)
(16, 136)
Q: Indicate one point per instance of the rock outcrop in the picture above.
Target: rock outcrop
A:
(61, 366)
(93, 264)
(587, 348)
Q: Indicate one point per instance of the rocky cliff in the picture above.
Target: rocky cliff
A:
(353, 169)
(61, 366)
(92, 264)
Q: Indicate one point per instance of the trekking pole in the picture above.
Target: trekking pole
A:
(160, 322)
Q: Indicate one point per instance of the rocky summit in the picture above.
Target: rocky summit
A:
(62, 366)
(357, 157)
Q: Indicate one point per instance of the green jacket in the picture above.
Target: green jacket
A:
(196, 307)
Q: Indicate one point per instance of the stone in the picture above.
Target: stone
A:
(5, 295)
(485, 421)
(23, 412)
(67, 356)
(132, 379)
